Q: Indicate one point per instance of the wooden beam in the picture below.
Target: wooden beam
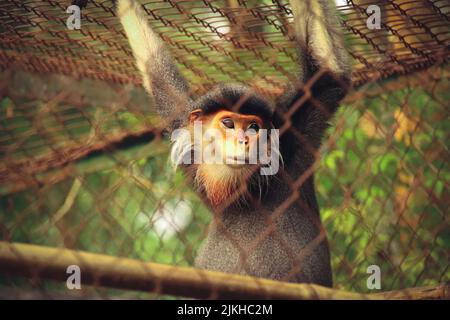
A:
(41, 262)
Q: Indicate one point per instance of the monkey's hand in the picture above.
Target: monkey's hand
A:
(160, 75)
(319, 38)
(324, 75)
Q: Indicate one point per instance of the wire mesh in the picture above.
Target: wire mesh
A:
(84, 166)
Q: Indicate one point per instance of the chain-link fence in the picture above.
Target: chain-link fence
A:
(84, 165)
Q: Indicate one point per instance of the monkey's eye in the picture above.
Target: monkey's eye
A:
(227, 122)
(253, 126)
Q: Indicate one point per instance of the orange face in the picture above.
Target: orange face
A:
(238, 132)
(234, 137)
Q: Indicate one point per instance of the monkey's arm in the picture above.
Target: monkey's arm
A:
(324, 71)
(160, 75)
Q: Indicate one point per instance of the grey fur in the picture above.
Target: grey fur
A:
(256, 239)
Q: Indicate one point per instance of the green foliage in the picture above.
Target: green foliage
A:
(381, 187)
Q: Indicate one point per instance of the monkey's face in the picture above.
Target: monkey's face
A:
(228, 146)
(229, 139)
(225, 149)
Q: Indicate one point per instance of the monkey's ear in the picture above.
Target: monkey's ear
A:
(195, 115)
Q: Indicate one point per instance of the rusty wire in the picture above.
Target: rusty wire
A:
(67, 93)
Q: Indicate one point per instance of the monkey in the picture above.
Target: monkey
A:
(265, 223)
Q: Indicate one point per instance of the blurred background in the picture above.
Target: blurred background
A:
(84, 166)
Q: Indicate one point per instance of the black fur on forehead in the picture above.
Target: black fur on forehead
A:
(236, 98)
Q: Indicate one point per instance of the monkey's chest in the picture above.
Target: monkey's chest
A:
(250, 246)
